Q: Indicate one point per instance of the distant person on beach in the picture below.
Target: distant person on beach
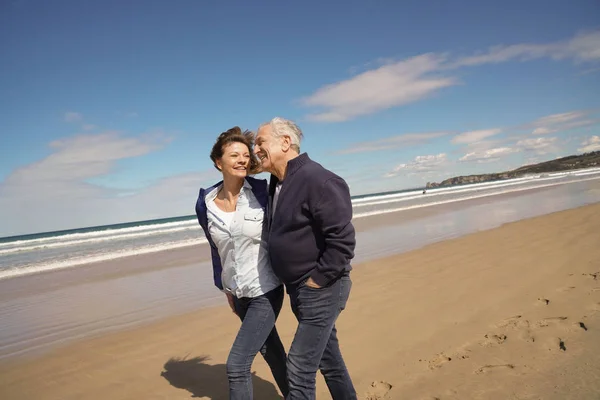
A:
(311, 242)
(231, 214)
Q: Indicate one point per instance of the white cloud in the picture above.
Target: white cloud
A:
(589, 71)
(590, 144)
(543, 131)
(474, 136)
(579, 124)
(167, 197)
(561, 122)
(540, 145)
(402, 82)
(72, 116)
(489, 155)
(483, 145)
(420, 164)
(581, 48)
(561, 118)
(479, 150)
(388, 86)
(76, 159)
(407, 139)
(56, 193)
(170, 196)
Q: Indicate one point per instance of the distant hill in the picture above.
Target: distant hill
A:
(568, 163)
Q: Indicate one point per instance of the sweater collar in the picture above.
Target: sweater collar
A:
(292, 166)
(296, 163)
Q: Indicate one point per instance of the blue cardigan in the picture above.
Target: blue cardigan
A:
(311, 232)
(260, 191)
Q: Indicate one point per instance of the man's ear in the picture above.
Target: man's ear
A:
(286, 143)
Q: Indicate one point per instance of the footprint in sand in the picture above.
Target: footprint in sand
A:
(562, 322)
(565, 289)
(593, 275)
(545, 322)
(514, 322)
(543, 301)
(519, 324)
(527, 336)
(556, 344)
(378, 390)
(594, 306)
(493, 339)
(439, 360)
(494, 367)
(442, 358)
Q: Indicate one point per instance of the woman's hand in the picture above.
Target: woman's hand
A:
(231, 303)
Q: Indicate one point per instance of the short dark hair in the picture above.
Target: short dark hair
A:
(235, 135)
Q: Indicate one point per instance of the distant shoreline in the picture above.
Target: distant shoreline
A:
(564, 164)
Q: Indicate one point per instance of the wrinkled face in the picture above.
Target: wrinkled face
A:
(235, 161)
(269, 149)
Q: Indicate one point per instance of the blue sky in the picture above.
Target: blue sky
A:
(108, 109)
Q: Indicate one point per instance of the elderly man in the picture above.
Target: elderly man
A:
(311, 242)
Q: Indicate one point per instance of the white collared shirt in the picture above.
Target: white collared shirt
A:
(246, 267)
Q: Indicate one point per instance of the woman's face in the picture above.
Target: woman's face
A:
(235, 161)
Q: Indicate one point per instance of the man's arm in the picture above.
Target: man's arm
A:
(333, 215)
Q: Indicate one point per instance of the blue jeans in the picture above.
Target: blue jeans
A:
(315, 344)
(257, 333)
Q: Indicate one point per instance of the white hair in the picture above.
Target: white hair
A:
(285, 127)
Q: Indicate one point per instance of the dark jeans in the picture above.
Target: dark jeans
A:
(315, 344)
(257, 333)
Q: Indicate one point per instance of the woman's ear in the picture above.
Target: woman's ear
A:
(219, 165)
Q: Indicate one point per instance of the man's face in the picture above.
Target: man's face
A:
(269, 149)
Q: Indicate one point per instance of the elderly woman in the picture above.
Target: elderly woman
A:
(231, 214)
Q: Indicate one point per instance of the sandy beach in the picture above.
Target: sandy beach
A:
(508, 313)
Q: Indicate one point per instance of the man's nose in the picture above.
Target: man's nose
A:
(256, 150)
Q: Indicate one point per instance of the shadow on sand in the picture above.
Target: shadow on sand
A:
(205, 380)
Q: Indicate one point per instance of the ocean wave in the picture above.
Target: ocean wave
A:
(118, 236)
(78, 261)
(444, 190)
(463, 189)
(417, 194)
(436, 203)
(98, 234)
(67, 239)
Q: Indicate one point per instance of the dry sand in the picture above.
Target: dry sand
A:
(510, 313)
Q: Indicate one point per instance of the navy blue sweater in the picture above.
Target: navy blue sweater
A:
(311, 233)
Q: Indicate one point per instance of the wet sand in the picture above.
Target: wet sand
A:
(511, 312)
